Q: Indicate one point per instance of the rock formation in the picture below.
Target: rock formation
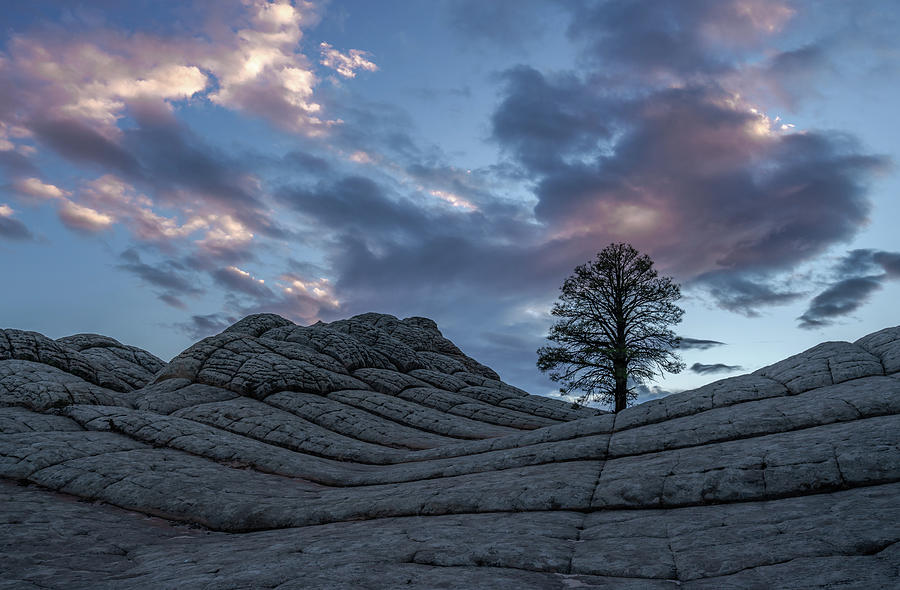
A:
(372, 453)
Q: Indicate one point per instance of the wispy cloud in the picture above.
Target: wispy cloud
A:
(201, 326)
(346, 64)
(859, 274)
(698, 344)
(702, 369)
(173, 280)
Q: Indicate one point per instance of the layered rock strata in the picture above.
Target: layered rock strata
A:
(371, 452)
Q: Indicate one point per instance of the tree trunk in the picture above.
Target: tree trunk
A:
(621, 370)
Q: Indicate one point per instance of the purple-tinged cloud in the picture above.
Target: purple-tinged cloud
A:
(713, 189)
(667, 41)
(249, 64)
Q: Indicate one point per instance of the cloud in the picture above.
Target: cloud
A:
(201, 326)
(297, 297)
(715, 368)
(353, 202)
(669, 41)
(211, 193)
(698, 344)
(76, 216)
(116, 197)
(84, 219)
(34, 187)
(250, 64)
(745, 293)
(236, 279)
(712, 188)
(82, 143)
(864, 261)
(107, 99)
(854, 286)
(345, 64)
(10, 228)
(840, 299)
(543, 119)
(171, 277)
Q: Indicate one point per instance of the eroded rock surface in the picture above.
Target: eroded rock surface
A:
(371, 452)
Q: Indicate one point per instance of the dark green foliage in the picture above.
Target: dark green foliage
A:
(615, 313)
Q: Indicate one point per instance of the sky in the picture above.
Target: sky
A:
(167, 168)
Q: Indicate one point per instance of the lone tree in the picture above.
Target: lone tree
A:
(615, 315)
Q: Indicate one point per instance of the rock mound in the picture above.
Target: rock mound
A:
(371, 452)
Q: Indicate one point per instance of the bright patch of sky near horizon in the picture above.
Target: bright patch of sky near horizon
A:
(166, 168)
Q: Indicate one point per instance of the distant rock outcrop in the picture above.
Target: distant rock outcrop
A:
(372, 453)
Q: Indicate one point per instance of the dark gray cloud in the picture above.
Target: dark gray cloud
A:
(856, 281)
(702, 369)
(355, 202)
(201, 326)
(13, 229)
(172, 157)
(840, 299)
(687, 38)
(172, 277)
(868, 261)
(698, 344)
(235, 279)
(83, 144)
(545, 119)
(745, 294)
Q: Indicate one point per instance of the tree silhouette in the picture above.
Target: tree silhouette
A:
(615, 313)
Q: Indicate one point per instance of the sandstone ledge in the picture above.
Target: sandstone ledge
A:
(372, 452)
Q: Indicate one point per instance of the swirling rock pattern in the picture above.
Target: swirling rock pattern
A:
(371, 453)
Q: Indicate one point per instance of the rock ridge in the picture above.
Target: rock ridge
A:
(372, 452)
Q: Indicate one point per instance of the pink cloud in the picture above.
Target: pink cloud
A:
(34, 187)
(84, 219)
(252, 64)
(345, 64)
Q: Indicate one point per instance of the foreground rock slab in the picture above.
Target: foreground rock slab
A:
(372, 452)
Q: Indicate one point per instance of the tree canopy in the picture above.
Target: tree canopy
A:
(615, 313)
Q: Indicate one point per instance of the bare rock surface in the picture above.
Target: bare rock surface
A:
(371, 452)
